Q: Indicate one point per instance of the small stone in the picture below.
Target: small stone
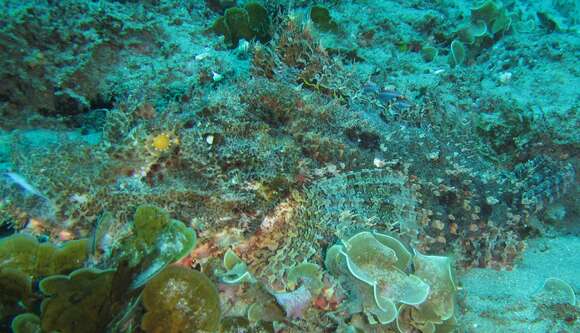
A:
(437, 224)
(209, 139)
(491, 200)
(216, 77)
(433, 156)
(378, 163)
(505, 77)
(473, 227)
(201, 56)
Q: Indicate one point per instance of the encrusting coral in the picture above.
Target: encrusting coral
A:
(181, 300)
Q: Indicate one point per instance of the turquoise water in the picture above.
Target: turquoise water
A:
(289, 166)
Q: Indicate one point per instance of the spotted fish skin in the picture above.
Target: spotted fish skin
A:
(542, 181)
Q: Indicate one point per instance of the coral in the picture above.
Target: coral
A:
(16, 291)
(470, 33)
(549, 22)
(153, 242)
(373, 270)
(234, 324)
(488, 22)
(26, 323)
(236, 269)
(457, 54)
(23, 258)
(24, 253)
(180, 300)
(307, 274)
(429, 53)
(262, 305)
(94, 299)
(556, 291)
(220, 5)
(248, 22)
(496, 18)
(374, 267)
(438, 272)
(409, 320)
(78, 302)
(321, 17)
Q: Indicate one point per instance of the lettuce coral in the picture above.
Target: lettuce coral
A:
(26, 323)
(79, 302)
(376, 268)
(23, 258)
(248, 22)
(24, 253)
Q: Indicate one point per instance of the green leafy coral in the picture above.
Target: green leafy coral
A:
(488, 22)
(26, 323)
(321, 17)
(79, 302)
(556, 291)
(16, 292)
(24, 253)
(375, 270)
(88, 299)
(248, 22)
(236, 269)
(23, 258)
(308, 274)
(376, 267)
(154, 241)
(437, 313)
(494, 16)
(488, 19)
